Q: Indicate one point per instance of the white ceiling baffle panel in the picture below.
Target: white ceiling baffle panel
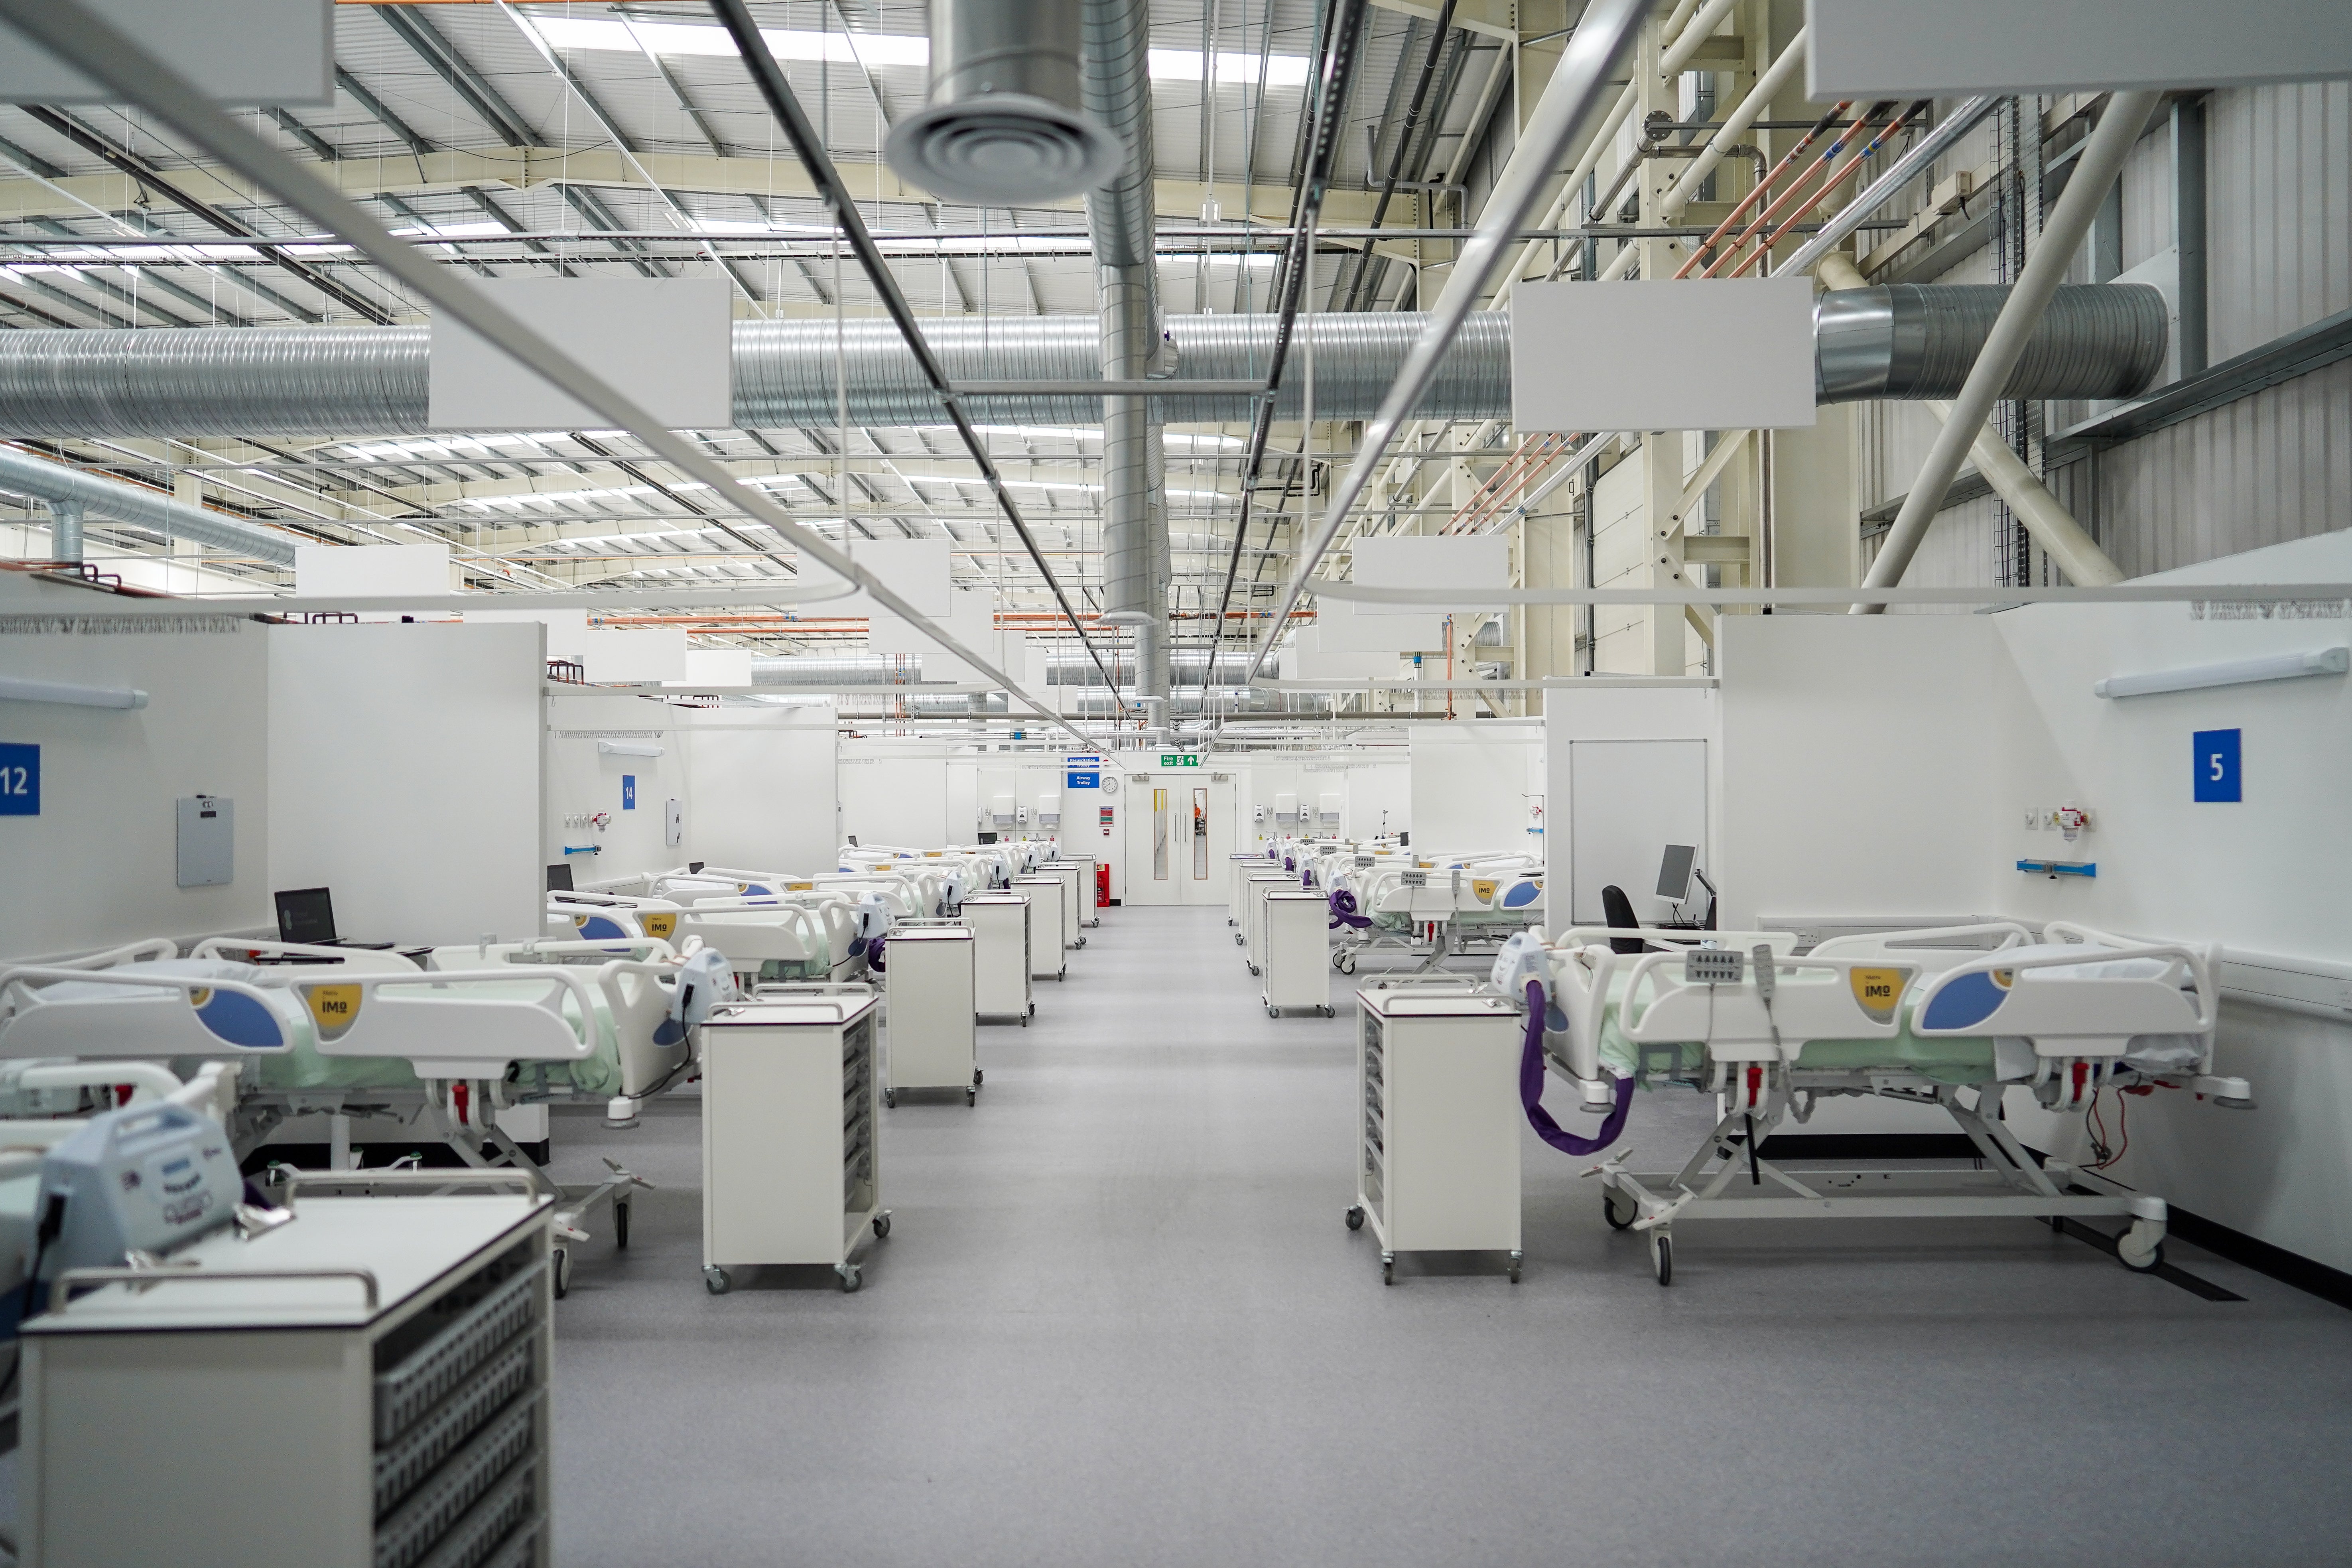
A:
(1888, 48)
(1407, 561)
(237, 52)
(669, 340)
(1719, 354)
(368, 570)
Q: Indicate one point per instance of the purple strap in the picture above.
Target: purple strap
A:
(875, 960)
(1531, 1088)
(1342, 905)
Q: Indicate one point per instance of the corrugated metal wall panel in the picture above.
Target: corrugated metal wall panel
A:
(2270, 468)
(2279, 205)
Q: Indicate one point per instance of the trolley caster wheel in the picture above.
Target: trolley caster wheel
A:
(1662, 1257)
(882, 1224)
(849, 1277)
(1330, 1011)
(1063, 973)
(1517, 1259)
(714, 1279)
(1388, 1267)
(621, 1225)
(1274, 1012)
(971, 1097)
(2141, 1256)
(1618, 1219)
(1024, 1018)
(1032, 1009)
(562, 1272)
(1252, 969)
(1356, 1217)
(979, 1077)
(890, 1098)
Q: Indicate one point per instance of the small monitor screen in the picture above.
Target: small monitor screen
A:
(559, 877)
(307, 915)
(1674, 872)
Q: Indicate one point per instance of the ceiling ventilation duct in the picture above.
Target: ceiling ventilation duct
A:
(1004, 122)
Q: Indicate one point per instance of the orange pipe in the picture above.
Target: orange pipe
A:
(1763, 186)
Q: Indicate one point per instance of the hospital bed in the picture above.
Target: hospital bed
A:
(1433, 907)
(779, 936)
(1916, 1016)
(361, 1033)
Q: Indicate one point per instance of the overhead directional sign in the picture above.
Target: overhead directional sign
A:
(1180, 760)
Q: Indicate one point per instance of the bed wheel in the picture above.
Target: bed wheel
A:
(1618, 1219)
(1661, 1256)
(1346, 962)
(2139, 1251)
(562, 1272)
(621, 1224)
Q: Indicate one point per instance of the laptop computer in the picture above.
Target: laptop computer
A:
(559, 877)
(307, 915)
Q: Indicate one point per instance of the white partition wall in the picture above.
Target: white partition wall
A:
(1476, 787)
(96, 865)
(610, 756)
(1888, 766)
(405, 765)
(1629, 768)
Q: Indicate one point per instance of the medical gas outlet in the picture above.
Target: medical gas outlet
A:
(2073, 821)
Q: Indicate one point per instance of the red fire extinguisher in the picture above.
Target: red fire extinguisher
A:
(1102, 885)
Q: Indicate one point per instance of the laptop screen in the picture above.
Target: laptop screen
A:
(1674, 872)
(559, 877)
(306, 914)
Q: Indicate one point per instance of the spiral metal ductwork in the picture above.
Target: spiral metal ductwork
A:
(371, 381)
(1005, 121)
(79, 496)
(1182, 704)
(1072, 667)
(1914, 340)
(839, 670)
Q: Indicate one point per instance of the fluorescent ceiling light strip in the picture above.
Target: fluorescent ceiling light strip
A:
(867, 49)
(2229, 673)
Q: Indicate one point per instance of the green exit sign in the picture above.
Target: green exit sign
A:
(1181, 760)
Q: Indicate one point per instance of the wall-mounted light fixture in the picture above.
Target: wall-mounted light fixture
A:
(2229, 673)
(15, 690)
(628, 748)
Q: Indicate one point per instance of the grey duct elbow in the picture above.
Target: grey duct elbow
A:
(1915, 342)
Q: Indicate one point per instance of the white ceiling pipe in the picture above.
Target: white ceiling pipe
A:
(2062, 235)
(1906, 169)
(1686, 42)
(14, 688)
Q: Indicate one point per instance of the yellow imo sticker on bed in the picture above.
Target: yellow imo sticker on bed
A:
(334, 1008)
(658, 922)
(1877, 990)
(1484, 890)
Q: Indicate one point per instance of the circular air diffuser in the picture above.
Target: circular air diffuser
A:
(1004, 149)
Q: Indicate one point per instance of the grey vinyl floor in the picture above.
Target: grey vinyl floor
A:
(1120, 1320)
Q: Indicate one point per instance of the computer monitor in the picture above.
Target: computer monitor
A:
(1674, 872)
(559, 877)
(305, 915)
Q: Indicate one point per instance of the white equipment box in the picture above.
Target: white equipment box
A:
(1048, 927)
(929, 989)
(1297, 944)
(1073, 875)
(791, 1171)
(1000, 932)
(389, 1353)
(1438, 1077)
(1259, 884)
(1246, 865)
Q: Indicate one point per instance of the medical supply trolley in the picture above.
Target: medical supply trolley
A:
(1261, 883)
(928, 1025)
(791, 1171)
(1000, 934)
(1245, 864)
(363, 1385)
(1296, 971)
(1048, 926)
(1081, 869)
(1438, 1164)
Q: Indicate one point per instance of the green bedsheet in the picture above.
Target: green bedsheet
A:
(1945, 1059)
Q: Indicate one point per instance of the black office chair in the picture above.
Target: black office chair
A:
(1618, 910)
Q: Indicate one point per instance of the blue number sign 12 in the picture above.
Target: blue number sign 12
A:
(20, 780)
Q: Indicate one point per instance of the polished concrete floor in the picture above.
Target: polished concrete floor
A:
(1120, 1320)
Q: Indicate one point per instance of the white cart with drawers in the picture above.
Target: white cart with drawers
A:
(363, 1386)
(929, 971)
(1001, 938)
(1437, 1080)
(791, 1169)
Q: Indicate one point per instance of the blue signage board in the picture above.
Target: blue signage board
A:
(629, 791)
(1083, 781)
(20, 780)
(2217, 777)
